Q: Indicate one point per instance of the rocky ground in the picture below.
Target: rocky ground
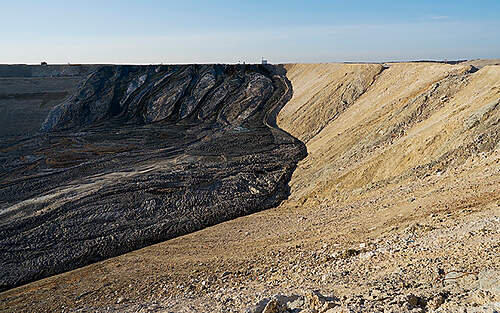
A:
(396, 208)
(434, 248)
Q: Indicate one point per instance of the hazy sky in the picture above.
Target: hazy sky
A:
(184, 31)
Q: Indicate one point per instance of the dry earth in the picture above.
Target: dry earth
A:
(396, 208)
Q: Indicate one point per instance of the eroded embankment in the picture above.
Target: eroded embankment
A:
(138, 155)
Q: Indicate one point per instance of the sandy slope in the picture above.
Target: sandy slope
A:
(403, 169)
(331, 88)
(414, 115)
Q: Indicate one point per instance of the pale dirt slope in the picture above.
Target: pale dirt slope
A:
(413, 116)
(403, 168)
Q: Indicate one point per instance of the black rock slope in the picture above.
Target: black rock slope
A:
(138, 155)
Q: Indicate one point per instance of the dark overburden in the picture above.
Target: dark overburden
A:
(138, 155)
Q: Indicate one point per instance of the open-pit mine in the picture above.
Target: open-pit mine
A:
(250, 188)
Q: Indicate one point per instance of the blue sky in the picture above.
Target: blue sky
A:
(185, 31)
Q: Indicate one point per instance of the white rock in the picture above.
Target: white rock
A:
(489, 280)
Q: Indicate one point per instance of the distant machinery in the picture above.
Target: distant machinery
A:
(264, 61)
